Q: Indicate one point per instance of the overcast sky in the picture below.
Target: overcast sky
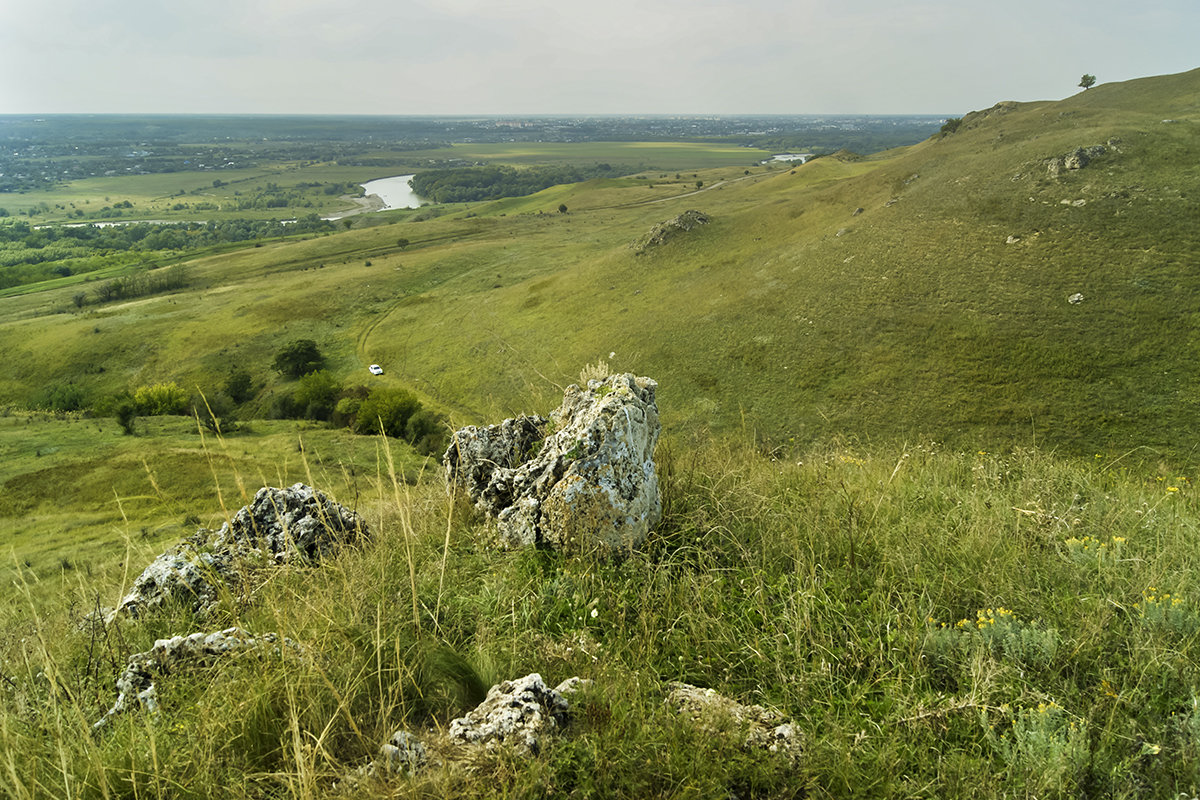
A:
(526, 57)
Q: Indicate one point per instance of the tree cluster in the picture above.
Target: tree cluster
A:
(29, 255)
(493, 182)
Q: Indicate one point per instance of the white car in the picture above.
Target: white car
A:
(375, 369)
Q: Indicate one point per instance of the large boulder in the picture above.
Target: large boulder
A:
(582, 481)
(298, 524)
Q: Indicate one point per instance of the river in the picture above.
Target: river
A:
(394, 192)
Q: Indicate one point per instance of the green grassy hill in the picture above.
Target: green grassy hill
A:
(935, 513)
(938, 310)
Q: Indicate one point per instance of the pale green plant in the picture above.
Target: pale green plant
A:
(594, 372)
(1166, 611)
(1044, 748)
(999, 632)
(1089, 551)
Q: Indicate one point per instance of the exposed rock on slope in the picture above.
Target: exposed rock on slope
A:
(136, 684)
(589, 485)
(759, 727)
(280, 526)
(663, 232)
(517, 713)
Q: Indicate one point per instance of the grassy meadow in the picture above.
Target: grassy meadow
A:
(915, 497)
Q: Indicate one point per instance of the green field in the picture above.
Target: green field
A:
(919, 496)
(155, 196)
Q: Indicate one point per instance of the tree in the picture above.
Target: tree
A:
(1087, 81)
(402, 243)
(562, 208)
(298, 358)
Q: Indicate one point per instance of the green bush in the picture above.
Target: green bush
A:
(239, 386)
(317, 395)
(426, 430)
(386, 411)
(298, 358)
(159, 399)
(61, 397)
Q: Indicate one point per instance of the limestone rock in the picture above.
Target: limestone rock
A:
(588, 486)
(280, 526)
(517, 713)
(404, 752)
(663, 232)
(762, 728)
(136, 684)
(1078, 158)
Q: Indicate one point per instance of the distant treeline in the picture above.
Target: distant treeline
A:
(28, 254)
(491, 182)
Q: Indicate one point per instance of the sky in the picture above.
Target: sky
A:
(571, 57)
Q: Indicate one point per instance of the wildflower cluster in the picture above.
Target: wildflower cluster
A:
(1043, 746)
(999, 631)
(1090, 551)
(1166, 610)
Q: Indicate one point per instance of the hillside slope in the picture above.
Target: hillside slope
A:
(922, 292)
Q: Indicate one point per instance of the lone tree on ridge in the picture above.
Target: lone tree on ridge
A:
(1087, 81)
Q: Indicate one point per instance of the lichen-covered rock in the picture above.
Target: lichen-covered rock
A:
(404, 752)
(663, 232)
(280, 526)
(761, 728)
(589, 486)
(136, 684)
(1078, 158)
(516, 713)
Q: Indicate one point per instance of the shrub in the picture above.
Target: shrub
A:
(317, 395)
(386, 411)
(159, 399)
(298, 358)
(215, 411)
(239, 386)
(60, 397)
(426, 430)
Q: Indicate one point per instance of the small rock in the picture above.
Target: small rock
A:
(403, 753)
(1075, 299)
(516, 713)
(761, 728)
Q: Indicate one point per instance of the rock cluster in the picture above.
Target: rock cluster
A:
(280, 526)
(523, 714)
(1078, 158)
(136, 684)
(518, 714)
(662, 232)
(582, 481)
(760, 728)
